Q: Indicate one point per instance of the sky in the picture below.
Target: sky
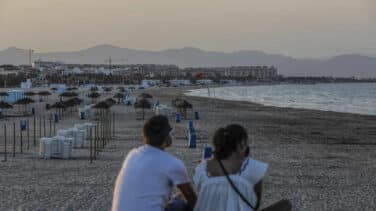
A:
(297, 28)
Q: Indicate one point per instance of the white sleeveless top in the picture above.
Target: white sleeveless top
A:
(216, 193)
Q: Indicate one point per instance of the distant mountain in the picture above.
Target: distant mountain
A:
(339, 66)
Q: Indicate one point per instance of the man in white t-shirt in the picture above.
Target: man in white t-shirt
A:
(149, 173)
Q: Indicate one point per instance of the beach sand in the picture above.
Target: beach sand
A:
(318, 160)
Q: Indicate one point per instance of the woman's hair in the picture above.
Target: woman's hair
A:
(156, 130)
(226, 140)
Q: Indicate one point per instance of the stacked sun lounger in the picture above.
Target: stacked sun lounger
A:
(61, 145)
(162, 109)
(56, 147)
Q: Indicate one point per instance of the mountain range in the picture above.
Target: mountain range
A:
(356, 65)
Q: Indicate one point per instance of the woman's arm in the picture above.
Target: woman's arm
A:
(258, 191)
(189, 194)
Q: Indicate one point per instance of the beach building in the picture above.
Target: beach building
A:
(14, 95)
(179, 82)
(149, 83)
(26, 85)
(204, 82)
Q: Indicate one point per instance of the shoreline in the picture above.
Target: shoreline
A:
(188, 92)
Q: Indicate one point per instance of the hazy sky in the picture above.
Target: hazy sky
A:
(299, 28)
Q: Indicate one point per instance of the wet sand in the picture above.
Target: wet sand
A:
(318, 160)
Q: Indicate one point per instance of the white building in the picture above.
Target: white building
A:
(26, 85)
(179, 82)
(149, 83)
(204, 82)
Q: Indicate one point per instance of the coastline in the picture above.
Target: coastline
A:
(319, 160)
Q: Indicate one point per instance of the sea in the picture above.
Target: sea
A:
(359, 98)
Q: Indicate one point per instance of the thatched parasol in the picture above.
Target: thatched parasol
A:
(181, 105)
(72, 88)
(3, 94)
(93, 96)
(107, 89)
(110, 101)
(145, 95)
(5, 105)
(103, 104)
(44, 93)
(68, 94)
(24, 102)
(94, 89)
(30, 93)
(144, 104)
(121, 89)
(59, 105)
(54, 89)
(119, 96)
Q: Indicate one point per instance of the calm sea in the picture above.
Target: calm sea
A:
(347, 97)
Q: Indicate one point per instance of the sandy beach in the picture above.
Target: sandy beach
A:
(318, 160)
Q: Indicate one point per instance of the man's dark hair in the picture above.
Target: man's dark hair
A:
(156, 130)
(227, 139)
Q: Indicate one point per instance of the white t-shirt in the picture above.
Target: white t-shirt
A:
(146, 179)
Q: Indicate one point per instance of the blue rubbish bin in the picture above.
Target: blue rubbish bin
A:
(207, 153)
(192, 139)
(82, 115)
(177, 118)
(190, 124)
(56, 118)
(23, 124)
(197, 115)
(33, 111)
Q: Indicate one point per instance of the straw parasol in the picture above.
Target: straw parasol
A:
(145, 95)
(144, 104)
(5, 105)
(44, 93)
(110, 101)
(121, 89)
(30, 93)
(54, 89)
(94, 89)
(119, 96)
(72, 88)
(24, 102)
(181, 105)
(107, 89)
(93, 96)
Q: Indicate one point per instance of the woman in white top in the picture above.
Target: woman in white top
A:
(149, 173)
(215, 191)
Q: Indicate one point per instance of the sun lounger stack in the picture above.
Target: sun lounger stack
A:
(162, 109)
(74, 133)
(56, 147)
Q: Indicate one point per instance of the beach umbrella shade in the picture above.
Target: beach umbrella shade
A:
(107, 89)
(142, 103)
(68, 94)
(5, 105)
(119, 96)
(110, 101)
(94, 89)
(72, 88)
(145, 95)
(54, 89)
(24, 102)
(44, 93)
(30, 93)
(59, 105)
(93, 96)
(103, 105)
(182, 106)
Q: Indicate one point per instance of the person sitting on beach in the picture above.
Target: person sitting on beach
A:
(148, 174)
(230, 180)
